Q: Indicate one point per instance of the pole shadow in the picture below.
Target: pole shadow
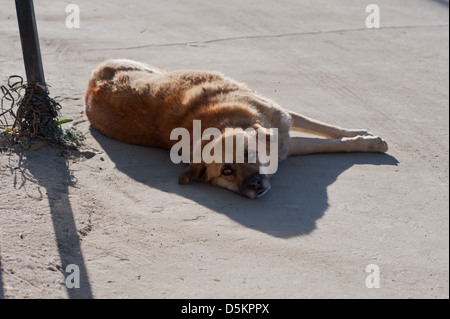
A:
(297, 200)
(2, 293)
(56, 185)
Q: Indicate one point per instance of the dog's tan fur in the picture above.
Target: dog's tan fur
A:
(141, 104)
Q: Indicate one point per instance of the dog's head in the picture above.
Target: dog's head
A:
(233, 161)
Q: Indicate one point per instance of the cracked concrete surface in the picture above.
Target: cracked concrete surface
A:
(272, 36)
(134, 232)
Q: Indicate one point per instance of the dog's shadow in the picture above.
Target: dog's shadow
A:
(298, 197)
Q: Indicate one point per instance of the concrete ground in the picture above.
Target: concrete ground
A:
(133, 232)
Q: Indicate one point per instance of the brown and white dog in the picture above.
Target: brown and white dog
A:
(142, 104)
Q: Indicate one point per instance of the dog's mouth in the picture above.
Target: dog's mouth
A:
(262, 193)
(254, 194)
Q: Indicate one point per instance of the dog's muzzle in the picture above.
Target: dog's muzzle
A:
(257, 186)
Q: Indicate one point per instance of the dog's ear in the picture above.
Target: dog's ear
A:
(195, 172)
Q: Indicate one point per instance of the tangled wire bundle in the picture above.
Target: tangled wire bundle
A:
(27, 113)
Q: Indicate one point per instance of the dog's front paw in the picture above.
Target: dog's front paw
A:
(183, 180)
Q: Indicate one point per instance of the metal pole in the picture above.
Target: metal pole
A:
(30, 42)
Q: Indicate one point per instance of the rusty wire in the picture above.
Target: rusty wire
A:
(27, 114)
(31, 112)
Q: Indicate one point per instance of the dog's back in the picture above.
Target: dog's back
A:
(142, 104)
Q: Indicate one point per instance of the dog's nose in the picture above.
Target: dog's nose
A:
(256, 186)
(255, 182)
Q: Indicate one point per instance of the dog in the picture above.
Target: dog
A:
(142, 104)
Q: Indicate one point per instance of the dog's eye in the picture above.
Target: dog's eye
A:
(227, 171)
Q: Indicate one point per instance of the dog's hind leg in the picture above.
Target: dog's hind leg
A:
(304, 124)
(306, 145)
